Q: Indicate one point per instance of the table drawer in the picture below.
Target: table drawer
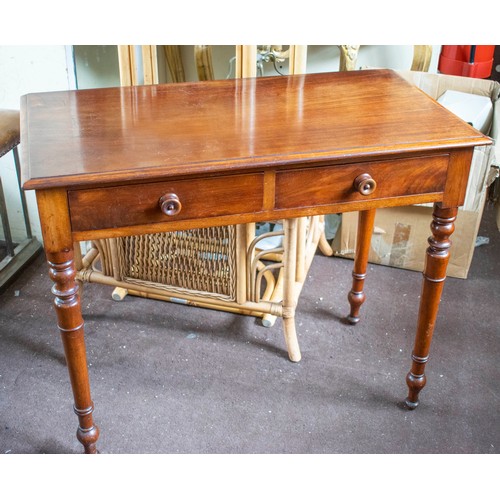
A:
(139, 204)
(316, 186)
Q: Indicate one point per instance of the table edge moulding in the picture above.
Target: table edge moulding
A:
(117, 162)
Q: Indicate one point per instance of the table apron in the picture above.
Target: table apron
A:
(265, 195)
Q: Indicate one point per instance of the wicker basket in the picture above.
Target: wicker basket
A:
(227, 268)
(195, 262)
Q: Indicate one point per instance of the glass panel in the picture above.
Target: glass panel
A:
(192, 63)
(96, 66)
(324, 58)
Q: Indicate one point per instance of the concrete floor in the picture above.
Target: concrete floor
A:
(170, 379)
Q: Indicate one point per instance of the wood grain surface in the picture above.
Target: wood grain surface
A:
(151, 132)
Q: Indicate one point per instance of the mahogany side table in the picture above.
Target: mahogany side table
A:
(137, 160)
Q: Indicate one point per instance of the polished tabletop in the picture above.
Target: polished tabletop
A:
(126, 134)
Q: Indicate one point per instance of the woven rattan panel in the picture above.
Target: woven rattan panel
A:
(198, 261)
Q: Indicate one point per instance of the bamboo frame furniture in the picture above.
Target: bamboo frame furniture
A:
(218, 268)
(177, 266)
(90, 187)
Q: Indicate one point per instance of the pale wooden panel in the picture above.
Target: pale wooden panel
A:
(149, 64)
(126, 63)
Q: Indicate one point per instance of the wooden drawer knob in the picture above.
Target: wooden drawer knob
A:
(364, 184)
(170, 204)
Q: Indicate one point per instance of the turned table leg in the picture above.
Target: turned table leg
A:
(58, 243)
(357, 296)
(70, 323)
(434, 276)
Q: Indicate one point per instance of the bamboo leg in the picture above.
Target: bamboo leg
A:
(115, 261)
(357, 296)
(78, 255)
(249, 252)
(268, 320)
(119, 293)
(78, 259)
(270, 282)
(241, 259)
(301, 249)
(89, 258)
(323, 245)
(434, 276)
(289, 302)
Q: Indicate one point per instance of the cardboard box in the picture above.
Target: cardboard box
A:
(400, 238)
(400, 234)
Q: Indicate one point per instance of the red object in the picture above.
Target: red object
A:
(475, 61)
